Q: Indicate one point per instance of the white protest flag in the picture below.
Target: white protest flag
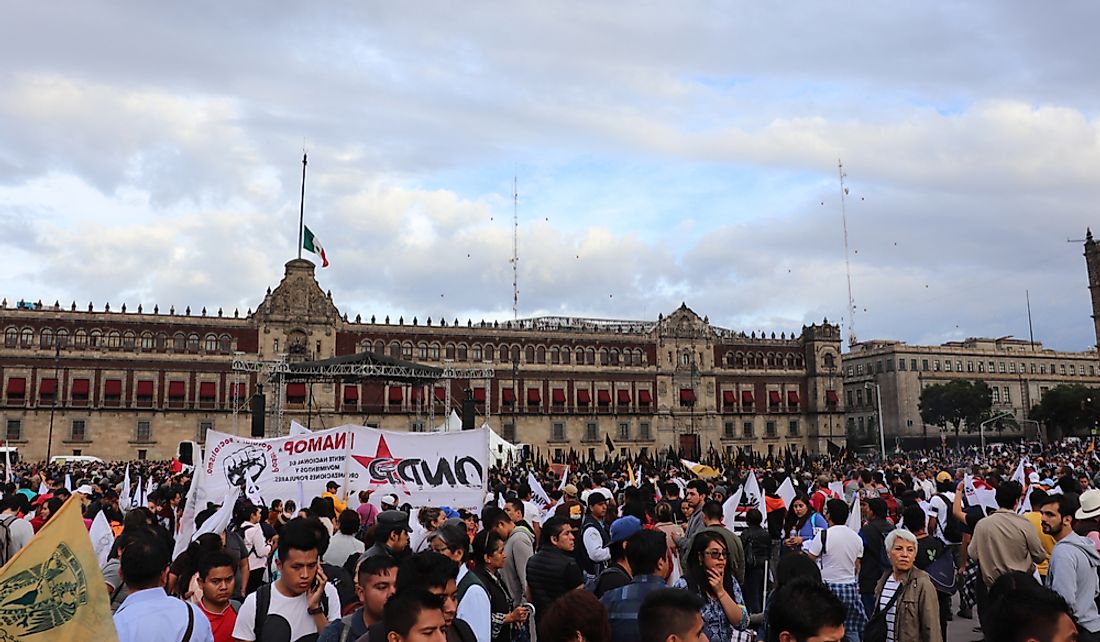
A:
(7, 464)
(298, 429)
(68, 482)
(191, 509)
(564, 477)
(786, 492)
(855, 516)
(729, 509)
(219, 521)
(43, 489)
(537, 491)
(125, 500)
(753, 494)
(102, 537)
(1019, 476)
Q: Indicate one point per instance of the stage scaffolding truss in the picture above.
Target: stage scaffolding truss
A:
(359, 367)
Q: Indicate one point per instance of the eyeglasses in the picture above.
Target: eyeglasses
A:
(716, 555)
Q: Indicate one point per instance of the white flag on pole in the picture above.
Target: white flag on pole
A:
(855, 515)
(190, 510)
(753, 494)
(125, 501)
(102, 537)
(786, 492)
(729, 509)
(564, 477)
(68, 482)
(219, 521)
(298, 429)
(537, 490)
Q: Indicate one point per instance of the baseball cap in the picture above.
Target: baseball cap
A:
(570, 490)
(389, 499)
(1033, 478)
(624, 528)
(389, 519)
(332, 484)
(943, 476)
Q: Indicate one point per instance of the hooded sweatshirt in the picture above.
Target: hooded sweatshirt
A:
(1073, 575)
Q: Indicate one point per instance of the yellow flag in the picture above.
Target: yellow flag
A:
(630, 474)
(53, 588)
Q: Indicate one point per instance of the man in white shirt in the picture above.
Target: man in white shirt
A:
(301, 601)
(939, 508)
(474, 608)
(19, 529)
(838, 551)
(149, 614)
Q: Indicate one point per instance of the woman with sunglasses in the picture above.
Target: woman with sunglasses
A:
(708, 573)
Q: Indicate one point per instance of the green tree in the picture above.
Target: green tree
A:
(956, 404)
(1068, 410)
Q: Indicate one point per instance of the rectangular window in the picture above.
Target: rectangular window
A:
(1001, 367)
(643, 431)
(889, 365)
(901, 365)
(850, 371)
(14, 431)
(859, 368)
(913, 365)
(144, 431)
(981, 366)
(958, 365)
(746, 430)
(1042, 368)
(417, 426)
(1007, 395)
(848, 396)
(792, 428)
(204, 427)
(1073, 370)
(878, 366)
(591, 431)
(624, 430)
(924, 365)
(996, 394)
(859, 397)
(1092, 371)
(1063, 368)
(970, 366)
(1012, 367)
(143, 454)
(947, 365)
(510, 432)
(78, 430)
(557, 431)
(936, 365)
(730, 434)
(769, 429)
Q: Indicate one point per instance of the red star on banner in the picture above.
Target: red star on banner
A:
(381, 453)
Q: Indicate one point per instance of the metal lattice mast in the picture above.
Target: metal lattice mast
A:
(847, 260)
(515, 248)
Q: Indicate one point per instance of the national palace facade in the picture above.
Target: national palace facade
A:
(131, 384)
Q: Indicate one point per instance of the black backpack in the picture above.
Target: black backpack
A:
(952, 527)
(5, 538)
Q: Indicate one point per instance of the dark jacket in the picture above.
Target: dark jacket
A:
(874, 562)
(757, 542)
(581, 551)
(550, 574)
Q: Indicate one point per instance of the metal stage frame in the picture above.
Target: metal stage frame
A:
(358, 367)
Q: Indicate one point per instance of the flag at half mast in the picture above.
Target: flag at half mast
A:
(310, 243)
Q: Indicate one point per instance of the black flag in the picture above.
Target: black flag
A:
(610, 445)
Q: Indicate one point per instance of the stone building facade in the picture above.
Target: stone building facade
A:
(126, 384)
(1018, 373)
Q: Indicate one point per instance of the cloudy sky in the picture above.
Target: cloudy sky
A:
(664, 152)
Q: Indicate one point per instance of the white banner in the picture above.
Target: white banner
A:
(422, 469)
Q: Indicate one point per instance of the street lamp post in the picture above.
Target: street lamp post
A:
(1038, 428)
(881, 423)
(981, 426)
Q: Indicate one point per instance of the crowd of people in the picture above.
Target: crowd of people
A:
(614, 551)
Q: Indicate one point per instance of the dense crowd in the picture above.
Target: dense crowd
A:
(619, 550)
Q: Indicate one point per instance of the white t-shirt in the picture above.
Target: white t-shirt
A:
(532, 514)
(288, 619)
(842, 548)
(941, 510)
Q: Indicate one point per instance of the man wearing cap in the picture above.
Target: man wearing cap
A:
(1088, 516)
(330, 492)
(389, 502)
(618, 573)
(822, 493)
(452, 541)
(568, 493)
(391, 535)
(592, 554)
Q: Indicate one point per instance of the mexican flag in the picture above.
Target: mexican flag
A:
(311, 244)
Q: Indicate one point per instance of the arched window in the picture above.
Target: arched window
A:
(421, 351)
(462, 352)
(211, 343)
(566, 355)
(829, 360)
(515, 354)
(555, 355)
(128, 339)
(95, 339)
(146, 340)
(26, 338)
(62, 337)
(179, 342)
(162, 341)
(503, 354)
(614, 357)
(47, 338)
(395, 350)
(80, 339)
(529, 354)
(433, 352)
(225, 344)
(407, 350)
(476, 353)
(589, 356)
(540, 354)
(603, 357)
(11, 337)
(192, 342)
(380, 347)
(114, 339)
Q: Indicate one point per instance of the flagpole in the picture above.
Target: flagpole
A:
(302, 206)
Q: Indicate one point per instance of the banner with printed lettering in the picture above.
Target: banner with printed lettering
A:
(422, 469)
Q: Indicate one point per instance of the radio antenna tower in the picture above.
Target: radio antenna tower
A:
(515, 248)
(847, 261)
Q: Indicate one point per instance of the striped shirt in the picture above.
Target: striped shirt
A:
(892, 586)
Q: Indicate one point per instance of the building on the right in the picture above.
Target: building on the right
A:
(1017, 371)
